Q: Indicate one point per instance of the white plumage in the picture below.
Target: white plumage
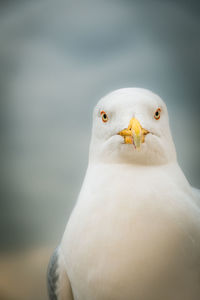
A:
(134, 233)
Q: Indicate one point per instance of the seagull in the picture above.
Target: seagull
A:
(134, 233)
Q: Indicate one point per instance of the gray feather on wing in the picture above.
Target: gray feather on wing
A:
(52, 275)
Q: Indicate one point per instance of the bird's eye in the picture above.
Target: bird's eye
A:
(104, 116)
(157, 114)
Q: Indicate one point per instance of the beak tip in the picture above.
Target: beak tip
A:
(134, 134)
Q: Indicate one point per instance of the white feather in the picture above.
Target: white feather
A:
(135, 230)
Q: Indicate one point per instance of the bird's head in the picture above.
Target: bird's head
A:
(131, 126)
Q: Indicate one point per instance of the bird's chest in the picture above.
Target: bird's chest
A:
(120, 239)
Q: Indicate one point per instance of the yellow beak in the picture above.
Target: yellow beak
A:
(134, 134)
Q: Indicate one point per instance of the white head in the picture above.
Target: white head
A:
(131, 125)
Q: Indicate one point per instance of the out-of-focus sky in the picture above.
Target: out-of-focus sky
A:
(57, 58)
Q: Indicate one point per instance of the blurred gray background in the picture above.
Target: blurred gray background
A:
(57, 58)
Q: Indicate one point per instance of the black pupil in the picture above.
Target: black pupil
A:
(157, 113)
(104, 116)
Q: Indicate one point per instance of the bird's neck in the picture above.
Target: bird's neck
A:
(135, 176)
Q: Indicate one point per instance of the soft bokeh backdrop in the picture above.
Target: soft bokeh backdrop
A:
(57, 58)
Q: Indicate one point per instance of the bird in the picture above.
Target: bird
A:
(134, 232)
